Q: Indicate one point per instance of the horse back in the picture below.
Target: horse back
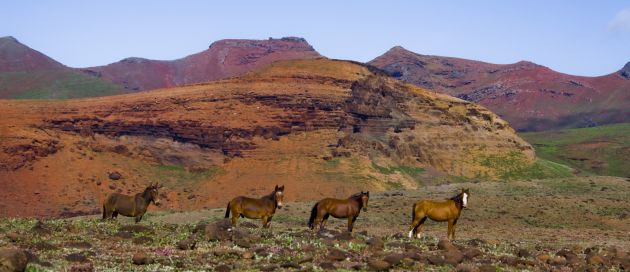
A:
(438, 210)
(252, 207)
(338, 208)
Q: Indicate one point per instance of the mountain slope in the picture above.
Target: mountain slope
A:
(601, 150)
(27, 73)
(321, 127)
(223, 59)
(529, 96)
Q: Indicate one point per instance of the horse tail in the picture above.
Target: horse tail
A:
(413, 212)
(227, 210)
(313, 215)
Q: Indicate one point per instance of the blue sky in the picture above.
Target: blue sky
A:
(576, 37)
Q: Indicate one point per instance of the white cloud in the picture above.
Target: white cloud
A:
(621, 21)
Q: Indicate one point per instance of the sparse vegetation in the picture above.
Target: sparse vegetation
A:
(547, 214)
(601, 150)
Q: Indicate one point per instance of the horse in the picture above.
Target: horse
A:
(448, 210)
(132, 206)
(338, 208)
(256, 208)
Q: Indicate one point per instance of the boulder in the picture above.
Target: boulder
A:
(13, 259)
(141, 258)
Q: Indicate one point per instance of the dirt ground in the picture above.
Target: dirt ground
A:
(570, 224)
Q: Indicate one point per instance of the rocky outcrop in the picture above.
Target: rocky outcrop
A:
(625, 71)
(375, 114)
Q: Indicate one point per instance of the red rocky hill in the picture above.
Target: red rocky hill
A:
(529, 96)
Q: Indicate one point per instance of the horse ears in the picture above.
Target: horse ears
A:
(282, 188)
(276, 189)
(368, 193)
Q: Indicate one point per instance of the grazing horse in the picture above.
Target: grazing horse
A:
(256, 208)
(338, 208)
(132, 206)
(448, 210)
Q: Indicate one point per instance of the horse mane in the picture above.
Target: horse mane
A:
(145, 194)
(458, 199)
(271, 196)
(357, 195)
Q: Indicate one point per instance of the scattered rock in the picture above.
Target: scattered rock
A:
(81, 245)
(115, 175)
(436, 260)
(327, 266)
(124, 234)
(141, 258)
(306, 259)
(378, 265)
(471, 253)
(487, 268)
(44, 246)
(595, 260)
(523, 253)
(446, 245)
(219, 231)
(466, 268)
(394, 258)
(557, 261)
(336, 255)
(376, 243)
(243, 242)
(292, 264)
(222, 268)
(83, 267)
(247, 255)
(76, 258)
(453, 257)
(187, 244)
(15, 237)
(13, 259)
(142, 240)
(543, 258)
(344, 236)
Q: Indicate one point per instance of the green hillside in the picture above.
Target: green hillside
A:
(53, 84)
(603, 150)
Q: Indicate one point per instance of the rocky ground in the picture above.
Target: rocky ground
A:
(572, 224)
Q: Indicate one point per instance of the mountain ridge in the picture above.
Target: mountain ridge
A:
(530, 96)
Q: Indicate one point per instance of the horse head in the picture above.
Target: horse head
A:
(152, 194)
(465, 194)
(364, 199)
(279, 195)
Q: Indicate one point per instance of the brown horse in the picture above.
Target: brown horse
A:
(256, 208)
(338, 208)
(132, 206)
(448, 210)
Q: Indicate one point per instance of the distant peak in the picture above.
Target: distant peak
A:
(398, 48)
(248, 42)
(9, 39)
(625, 71)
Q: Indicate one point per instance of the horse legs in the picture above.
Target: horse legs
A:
(351, 220)
(266, 221)
(451, 229)
(114, 214)
(417, 222)
(138, 218)
(324, 220)
(235, 216)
